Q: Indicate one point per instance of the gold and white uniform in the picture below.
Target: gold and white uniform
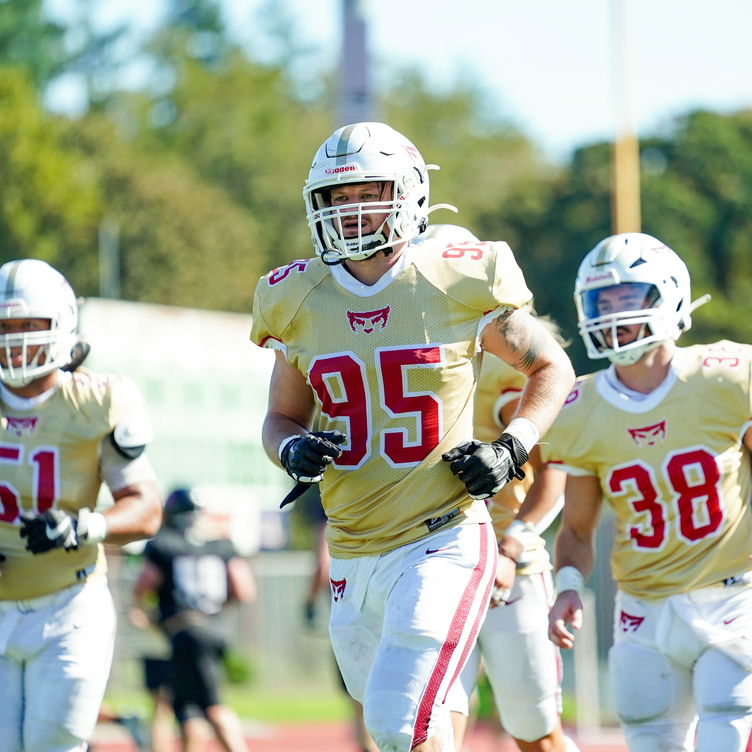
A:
(49, 457)
(57, 616)
(673, 467)
(393, 366)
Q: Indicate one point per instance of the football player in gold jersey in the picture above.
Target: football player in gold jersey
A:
(664, 437)
(379, 335)
(63, 434)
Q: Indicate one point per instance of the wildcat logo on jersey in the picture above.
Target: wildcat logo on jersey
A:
(648, 435)
(629, 623)
(338, 588)
(367, 321)
(20, 426)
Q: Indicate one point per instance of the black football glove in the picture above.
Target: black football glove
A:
(306, 457)
(486, 468)
(53, 529)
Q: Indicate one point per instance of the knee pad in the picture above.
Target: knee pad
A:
(390, 733)
(530, 722)
(641, 682)
(723, 731)
(393, 733)
(723, 693)
(722, 685)
(659, 738)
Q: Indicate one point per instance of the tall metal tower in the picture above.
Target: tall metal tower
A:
(355, 96)
(625, 201)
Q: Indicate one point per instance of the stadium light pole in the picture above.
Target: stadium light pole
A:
(625, 173)
(355, 97)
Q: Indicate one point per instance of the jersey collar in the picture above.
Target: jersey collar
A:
(611, 389)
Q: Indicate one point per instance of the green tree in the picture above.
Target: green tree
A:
(243, 129)
(49, 207)
(182, 241)
(697, 190)
(481, 156)
(29, 39)
(696, 185)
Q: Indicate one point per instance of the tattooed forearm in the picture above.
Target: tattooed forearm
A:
(522, 339)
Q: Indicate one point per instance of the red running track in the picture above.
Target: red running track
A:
(336, 737)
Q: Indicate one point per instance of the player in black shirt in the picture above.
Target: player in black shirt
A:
(193, 578)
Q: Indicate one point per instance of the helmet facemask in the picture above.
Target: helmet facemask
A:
(330, 222)
(53, 352)
(600, 326)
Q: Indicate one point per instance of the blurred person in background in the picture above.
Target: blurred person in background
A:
(155, 665)
(193, 578)
(664, 437)
(378, 335)
(318, 583)
(65, 432)
(522, 666)
(132, 723)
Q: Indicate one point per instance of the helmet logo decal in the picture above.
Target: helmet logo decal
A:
(367, 321)
(343, 168)
(413, 152)
(12, 308)
(648, 435)
(20, 426)
(604, 277)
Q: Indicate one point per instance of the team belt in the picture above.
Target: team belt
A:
(745, 578)
(434, 523)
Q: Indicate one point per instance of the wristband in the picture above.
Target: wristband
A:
(91, 527)
(569, 578)
(520, 531)
(525, 431)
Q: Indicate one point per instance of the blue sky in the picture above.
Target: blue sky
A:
(547, 65)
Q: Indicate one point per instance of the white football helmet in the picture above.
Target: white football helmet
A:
(654, 291)
(30, 288)
(365, 153)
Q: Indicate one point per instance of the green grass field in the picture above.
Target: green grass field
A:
(255, 703)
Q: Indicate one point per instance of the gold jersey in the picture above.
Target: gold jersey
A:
(393, 366)
(49, 457)
(672, 465)
(498, 385)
